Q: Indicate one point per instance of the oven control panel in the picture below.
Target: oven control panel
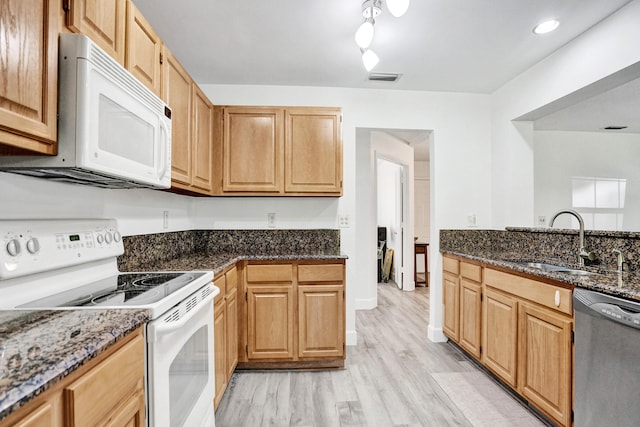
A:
(33, 246)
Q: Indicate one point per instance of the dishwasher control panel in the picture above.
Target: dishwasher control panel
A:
(33, 246)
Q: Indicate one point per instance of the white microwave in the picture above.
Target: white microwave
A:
(113, 132)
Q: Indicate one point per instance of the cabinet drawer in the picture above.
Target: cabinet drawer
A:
(270, 273)
(108, 383)
(550, 296)
(451, 265)
(321, 273)
(221, 284)
(471, 271)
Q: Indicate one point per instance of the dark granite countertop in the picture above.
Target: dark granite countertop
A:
(39, 348)
(218, 262)
(625, 285)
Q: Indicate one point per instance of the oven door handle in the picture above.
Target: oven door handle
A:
(162, 327)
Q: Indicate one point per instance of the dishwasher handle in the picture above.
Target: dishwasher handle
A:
(615, 309)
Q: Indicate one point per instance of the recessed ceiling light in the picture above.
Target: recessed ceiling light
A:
(546, 26)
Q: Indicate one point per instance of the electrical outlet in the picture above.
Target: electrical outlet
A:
(343, 221)
(271, 220)
(542, 220)
(165, 219)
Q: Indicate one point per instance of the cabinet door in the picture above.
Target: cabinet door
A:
(470, 317)
(130, 414)
(271, 319)
(46, 415)
(321, 321)
(220, 349)
(544, 367)
(202, 140)
(29, 79)
(451, 302)
(313, 151)
(143, 50)
(252, 149)
(500, 336)
(103, 21)
(176, 92)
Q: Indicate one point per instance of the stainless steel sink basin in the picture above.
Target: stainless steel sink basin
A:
(556, 268)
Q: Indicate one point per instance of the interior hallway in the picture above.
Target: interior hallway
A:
(393, 377)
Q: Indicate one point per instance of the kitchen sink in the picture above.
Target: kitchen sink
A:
(556, 268)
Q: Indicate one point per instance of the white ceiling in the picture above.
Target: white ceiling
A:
(439, 45)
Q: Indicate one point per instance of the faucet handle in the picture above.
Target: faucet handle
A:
(584, 254)
(619, 258)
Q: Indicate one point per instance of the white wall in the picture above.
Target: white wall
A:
(559, 156)
(603, 50)
(421, 204)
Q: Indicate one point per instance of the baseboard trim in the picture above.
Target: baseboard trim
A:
(436, 334)
(352, 338)
(366, 303)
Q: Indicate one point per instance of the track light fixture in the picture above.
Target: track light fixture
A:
(365, 33)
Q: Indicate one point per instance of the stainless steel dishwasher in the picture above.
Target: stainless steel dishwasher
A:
(607, 360)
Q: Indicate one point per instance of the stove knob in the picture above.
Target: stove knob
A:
(33, 246)
(117, 236)
(13, 247)
(108, 237)
(100, 238)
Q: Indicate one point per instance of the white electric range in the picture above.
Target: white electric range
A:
(72, 264)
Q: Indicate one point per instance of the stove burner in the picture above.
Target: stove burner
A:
(124, 297)
(176, 279)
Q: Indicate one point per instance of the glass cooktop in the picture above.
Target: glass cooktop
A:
(123, 290)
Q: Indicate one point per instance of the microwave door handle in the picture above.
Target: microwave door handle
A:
(162, 328)
(163, 156)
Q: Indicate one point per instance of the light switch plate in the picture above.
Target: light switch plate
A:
(271, 220)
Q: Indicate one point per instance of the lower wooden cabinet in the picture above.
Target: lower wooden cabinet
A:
(295, 314)
(108, 391)
(225, 331)
(525, 325)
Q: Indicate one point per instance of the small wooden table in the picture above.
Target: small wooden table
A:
(421, 249)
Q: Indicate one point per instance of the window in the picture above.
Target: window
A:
(600, 201)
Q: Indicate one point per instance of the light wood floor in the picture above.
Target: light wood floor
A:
(394, 377)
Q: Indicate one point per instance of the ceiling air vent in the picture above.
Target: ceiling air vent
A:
(615, 127)
(384, 77)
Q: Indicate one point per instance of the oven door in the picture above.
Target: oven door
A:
(180, 380)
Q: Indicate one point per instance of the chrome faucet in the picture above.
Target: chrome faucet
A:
(582, 252)
(620, 259)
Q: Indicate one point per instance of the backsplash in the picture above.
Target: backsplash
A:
(150, 248)
(546, 245)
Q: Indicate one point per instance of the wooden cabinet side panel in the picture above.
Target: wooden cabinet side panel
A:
(451, 302)
(92, 397)
(271, 322)
(103, 21)
(544, 369)
(252, 150)
(313, 151)
(470, 317)
(232, 333)
(202, 140)
(29, 81)
(143, 48)
(321, 321)
(176, 92)
(500, 335)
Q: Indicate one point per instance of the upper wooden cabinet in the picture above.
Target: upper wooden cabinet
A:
(143, 56)
(252, 149)
(177, 93)
(28, 82)
(280, 151)
(202, 159)
(313, 150)
(104, 21)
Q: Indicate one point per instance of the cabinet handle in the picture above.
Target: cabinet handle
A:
(557, 298)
